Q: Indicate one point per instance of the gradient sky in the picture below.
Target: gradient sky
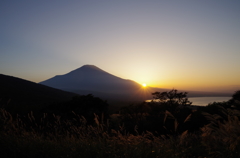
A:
(182, 44)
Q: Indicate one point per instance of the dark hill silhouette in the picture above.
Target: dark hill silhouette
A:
(26, 94)
(91, 79)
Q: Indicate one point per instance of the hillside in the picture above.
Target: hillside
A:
(23, 93)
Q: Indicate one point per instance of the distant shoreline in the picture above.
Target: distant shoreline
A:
(203, 101)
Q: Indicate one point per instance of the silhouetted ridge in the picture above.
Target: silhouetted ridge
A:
(27, 93)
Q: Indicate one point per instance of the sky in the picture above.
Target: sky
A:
(183, 44)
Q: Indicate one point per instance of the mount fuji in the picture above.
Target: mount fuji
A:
(91, 79)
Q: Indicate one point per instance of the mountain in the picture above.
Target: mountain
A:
(91, 79)
(29, 95)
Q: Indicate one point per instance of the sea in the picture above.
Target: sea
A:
(204, 101)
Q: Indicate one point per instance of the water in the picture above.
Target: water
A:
(203, 101)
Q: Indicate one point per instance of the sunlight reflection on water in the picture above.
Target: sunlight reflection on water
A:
(203, 101)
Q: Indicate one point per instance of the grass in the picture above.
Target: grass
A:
(31, 137)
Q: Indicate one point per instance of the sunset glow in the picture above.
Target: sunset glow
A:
(186, 45)
(144, 84)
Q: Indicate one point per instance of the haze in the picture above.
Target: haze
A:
(191, 45)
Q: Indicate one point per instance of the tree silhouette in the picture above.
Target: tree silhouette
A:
(172, 98)
(235, 101)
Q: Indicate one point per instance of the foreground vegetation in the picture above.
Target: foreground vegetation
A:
(82, 128)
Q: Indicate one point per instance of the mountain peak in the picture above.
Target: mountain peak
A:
(86, 68)
(90, 67)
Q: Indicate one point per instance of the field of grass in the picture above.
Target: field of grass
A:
(211, 131)
(64, 139)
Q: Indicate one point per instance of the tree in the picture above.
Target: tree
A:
(235, 101)
(172, 98)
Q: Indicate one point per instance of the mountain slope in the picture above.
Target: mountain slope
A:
(29, 94)
(91, 79)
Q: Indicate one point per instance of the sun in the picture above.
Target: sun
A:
(144, 85)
